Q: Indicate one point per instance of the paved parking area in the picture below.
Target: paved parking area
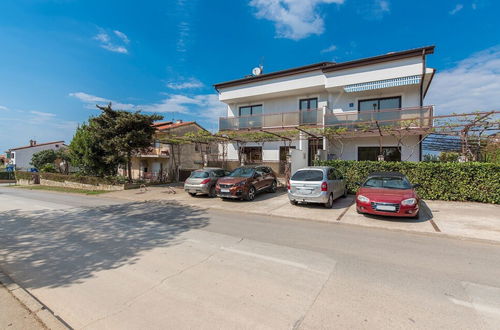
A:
(459, 219)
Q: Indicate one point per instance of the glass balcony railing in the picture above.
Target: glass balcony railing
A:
(403, 117)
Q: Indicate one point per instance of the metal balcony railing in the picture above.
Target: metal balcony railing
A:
(418, 117)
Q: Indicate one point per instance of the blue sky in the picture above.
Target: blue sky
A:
(58, 58)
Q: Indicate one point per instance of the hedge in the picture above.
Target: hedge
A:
(471, 181)
(6, 176)
(93, 180)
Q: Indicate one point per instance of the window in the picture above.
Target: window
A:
(220, 173)
(388, 183)
(250, 116)
(252, 154)
(308, 175)
(371, 153)
(380, 104)
(251, 110)
(199, 175)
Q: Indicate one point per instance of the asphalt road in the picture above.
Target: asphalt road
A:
(102, 263)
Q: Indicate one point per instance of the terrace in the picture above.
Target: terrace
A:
(414, 117)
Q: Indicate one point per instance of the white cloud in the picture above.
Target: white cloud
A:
(472, 85)
(116, 44)
(43, 114)
(330, 49)
(206, 107)
(187, 84)
(92, 100)
(293, 19)
(3, 108)
(458, 8)
(122, 36)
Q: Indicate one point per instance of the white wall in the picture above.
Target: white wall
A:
(270, 150)
(23, 157)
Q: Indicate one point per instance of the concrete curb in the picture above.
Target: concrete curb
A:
(32, 304)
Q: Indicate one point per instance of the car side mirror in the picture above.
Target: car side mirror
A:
(357, 183)
(417, 185)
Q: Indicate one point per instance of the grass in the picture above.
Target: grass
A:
(64, 189)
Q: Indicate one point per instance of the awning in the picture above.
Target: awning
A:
(411, 80)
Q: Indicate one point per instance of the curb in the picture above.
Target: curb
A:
(44, 314)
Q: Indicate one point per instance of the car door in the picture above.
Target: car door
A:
(339, 186)
(330, 175)
(259, 179)
(268, 177)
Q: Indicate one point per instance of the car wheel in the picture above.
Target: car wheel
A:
(273, 187)
(250, 194)
(192, 194)
(329, 204)
(345, 193)
(294, 202)
(211, 192)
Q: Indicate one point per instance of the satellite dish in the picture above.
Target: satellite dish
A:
(257, 71)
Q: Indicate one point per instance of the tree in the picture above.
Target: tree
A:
(41, 158)
(123, 133)
(86, 153)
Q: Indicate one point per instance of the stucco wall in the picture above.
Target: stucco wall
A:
(23, 157)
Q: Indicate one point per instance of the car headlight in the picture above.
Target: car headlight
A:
(239, 184)
(409, 201)
(363, 199)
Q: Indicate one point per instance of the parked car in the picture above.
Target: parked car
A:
(388, 193)
(203, 181)
(316, 184)
(246, 182)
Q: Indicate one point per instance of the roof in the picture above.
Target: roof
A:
(168, 125)
(387, 174)
(38, 145)
(330, 66)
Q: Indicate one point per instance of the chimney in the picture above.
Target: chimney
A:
(32, 143)
(178, 121)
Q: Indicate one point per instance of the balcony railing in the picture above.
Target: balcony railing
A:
(419, 117)
(154, 152)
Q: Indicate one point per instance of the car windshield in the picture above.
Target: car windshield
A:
(242, 172)
(387, 182)
(199, 175)
(308, 175)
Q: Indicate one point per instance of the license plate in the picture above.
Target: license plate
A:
(192, 191)
(305, 191)
(386, 208)
(224, 190)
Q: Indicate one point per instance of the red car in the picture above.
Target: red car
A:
(389, 194)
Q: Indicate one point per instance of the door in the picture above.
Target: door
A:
(259, 179)
(284, 151)
(313, 146)
(369, 110)
(308, 111)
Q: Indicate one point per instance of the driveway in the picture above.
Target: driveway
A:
(457, 219)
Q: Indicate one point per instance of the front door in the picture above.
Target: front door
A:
(315, 144)
(284, 151)
(308, 111)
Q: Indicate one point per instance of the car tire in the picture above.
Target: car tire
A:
(294, 202)
(211, 192)
(273, 187)
(192, 194)
(250, 195)
(329, 204)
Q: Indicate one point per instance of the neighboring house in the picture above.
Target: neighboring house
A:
(163, 160)
(20, 157)
(3, 160)
(350, 94)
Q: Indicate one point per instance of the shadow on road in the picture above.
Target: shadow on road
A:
(59, 247)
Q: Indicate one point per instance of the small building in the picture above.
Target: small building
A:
(20, 157)
(377, 92)
(166, 161)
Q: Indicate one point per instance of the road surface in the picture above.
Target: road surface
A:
(101, 263)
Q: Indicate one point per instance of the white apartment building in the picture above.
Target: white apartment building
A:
(376, 92)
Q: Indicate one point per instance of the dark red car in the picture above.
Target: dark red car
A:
(388, 193)
(246, 182)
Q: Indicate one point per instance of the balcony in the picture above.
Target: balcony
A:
(416, 117)
(154, 153)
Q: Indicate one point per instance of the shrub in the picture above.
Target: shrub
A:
(23, 175)
(7, 175)
(48, 168)
(453, 181)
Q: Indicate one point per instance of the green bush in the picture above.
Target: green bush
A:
(48, 168)
(453, 181)
(7, 175)
(92, 180)
(23, 175)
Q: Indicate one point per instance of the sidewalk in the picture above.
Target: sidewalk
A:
(13, 315)
(458, 219)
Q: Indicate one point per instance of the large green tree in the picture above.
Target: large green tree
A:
(111, 139)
